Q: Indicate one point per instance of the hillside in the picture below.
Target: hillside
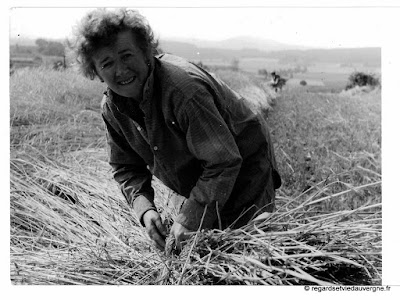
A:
(367, 56)
(192, 52)
(240, 42)
(246, 47)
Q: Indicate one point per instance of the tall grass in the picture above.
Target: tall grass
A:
(43, 96)
(329, 140)
(71, 225)
(49, 109)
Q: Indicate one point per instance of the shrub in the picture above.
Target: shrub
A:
(303, 83)
(263, 72)
(361, 79)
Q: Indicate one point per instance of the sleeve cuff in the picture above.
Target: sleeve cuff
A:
(141, 205)
(192, 212)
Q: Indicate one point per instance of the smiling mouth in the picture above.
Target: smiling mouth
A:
(125, 82)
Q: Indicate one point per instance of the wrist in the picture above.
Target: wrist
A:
(146, 214)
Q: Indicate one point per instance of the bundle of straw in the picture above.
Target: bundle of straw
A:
(291, 247)
(70, 225)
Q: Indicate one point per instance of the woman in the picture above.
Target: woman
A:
(171, 119)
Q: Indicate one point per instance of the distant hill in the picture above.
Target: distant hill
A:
(241, 47)
(22, 42)
(30, 41)
(241, 42)
(366, 56)
(192, 52)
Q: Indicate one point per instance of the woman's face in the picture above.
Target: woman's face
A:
(123, 66)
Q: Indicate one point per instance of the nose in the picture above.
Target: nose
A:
(120, 68)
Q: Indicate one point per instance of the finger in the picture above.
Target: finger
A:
(159, 240)
(184, 236)
(160, 227)
(180, 240)
(156, 237)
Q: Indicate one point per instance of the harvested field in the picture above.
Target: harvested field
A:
(71, 225)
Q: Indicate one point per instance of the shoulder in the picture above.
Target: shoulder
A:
(108, 109)
(107, 103)
(180, 76)
(105, 106)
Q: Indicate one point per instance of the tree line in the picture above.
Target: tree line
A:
(284, 72)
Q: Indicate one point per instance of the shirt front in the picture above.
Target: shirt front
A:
(198, 137)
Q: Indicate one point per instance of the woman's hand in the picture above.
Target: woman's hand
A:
(181, 233)
(155, 228)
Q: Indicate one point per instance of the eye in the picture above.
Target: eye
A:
(126, 56)
(106, 65)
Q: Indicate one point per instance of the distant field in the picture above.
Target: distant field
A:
(320, 77)
(321, 81)
(251, 65)
(254, 64)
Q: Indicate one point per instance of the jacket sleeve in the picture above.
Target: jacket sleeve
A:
(211, 142)
(129, 169)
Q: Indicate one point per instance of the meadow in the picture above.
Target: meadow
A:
(71, 225)
(320, 76)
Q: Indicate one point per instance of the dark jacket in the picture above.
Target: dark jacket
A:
(199, 138)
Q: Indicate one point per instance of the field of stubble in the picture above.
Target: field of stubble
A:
(71, 225)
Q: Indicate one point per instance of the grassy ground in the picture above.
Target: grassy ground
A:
(70, 224)
(54, 111)
(322, 137)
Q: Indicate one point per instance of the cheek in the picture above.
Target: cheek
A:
(106, 78)
(146, 70)
(97, 74)
(100, 74)
(141, 70)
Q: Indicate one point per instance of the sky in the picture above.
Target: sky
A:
(325, 27)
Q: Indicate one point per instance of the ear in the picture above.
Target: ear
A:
(97, 74)
(101, 79)
(149, 61)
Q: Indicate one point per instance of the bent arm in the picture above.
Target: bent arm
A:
(130, 171)
(211, 142)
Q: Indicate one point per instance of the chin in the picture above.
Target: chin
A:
(124, 92)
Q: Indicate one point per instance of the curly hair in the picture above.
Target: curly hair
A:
(100, 27)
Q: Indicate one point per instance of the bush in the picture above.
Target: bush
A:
(303, 83)
(263, 72)
(361, 79)
(51, 48)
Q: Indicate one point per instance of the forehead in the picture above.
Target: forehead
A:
(123, 41)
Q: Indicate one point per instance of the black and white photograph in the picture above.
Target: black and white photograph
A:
(202, 144)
